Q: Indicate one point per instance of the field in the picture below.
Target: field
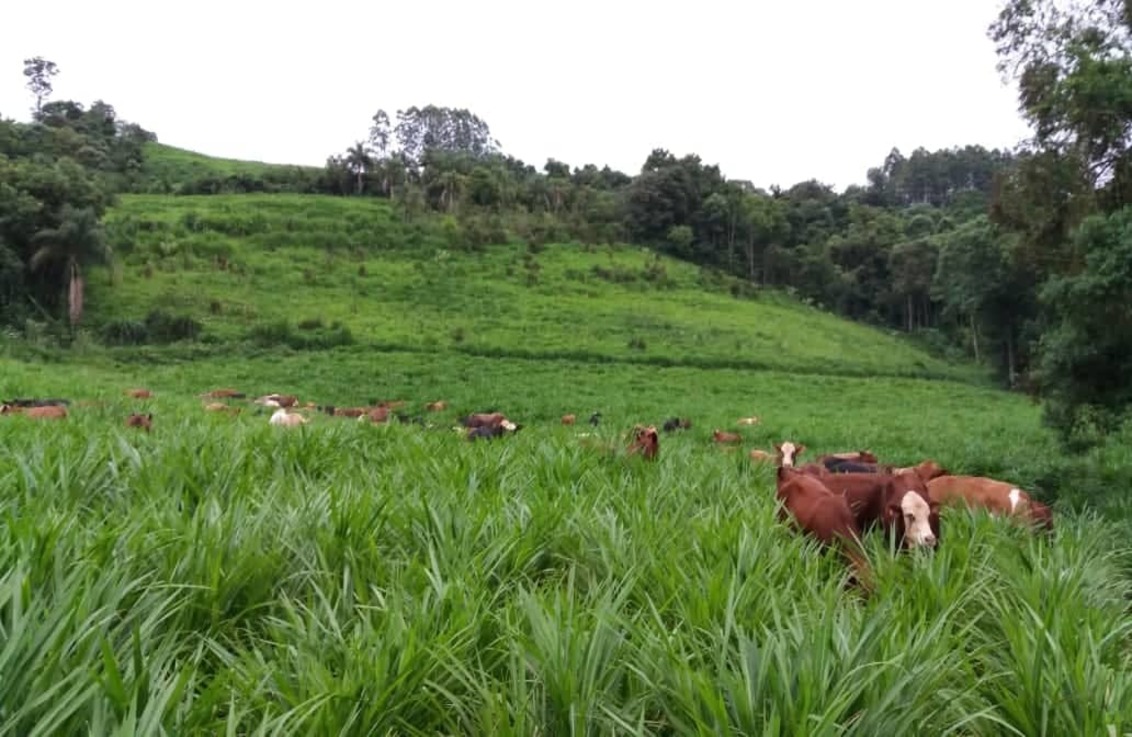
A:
(221, 574)
(224, 576)
(166, 165)
(320, 261)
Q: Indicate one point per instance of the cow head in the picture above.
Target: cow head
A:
(788, 452)
(910, 512)
(646, 441)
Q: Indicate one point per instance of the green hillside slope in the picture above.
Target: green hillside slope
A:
(173, 167)
(243, 265)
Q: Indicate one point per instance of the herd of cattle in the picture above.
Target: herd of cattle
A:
(835, 499)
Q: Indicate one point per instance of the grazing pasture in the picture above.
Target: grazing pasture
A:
(222, 575)
(320, 271)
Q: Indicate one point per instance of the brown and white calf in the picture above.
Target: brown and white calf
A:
(1000, 498)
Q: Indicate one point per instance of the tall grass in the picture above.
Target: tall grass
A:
(224, 576)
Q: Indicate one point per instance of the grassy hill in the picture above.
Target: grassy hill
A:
(245, 264)
(168, 166)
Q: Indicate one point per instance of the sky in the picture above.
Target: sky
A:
(772, 92)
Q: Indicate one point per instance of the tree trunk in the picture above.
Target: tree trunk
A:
(908, 302)
(1010, 374)
(751, 260)
(975, 337)
(75, 296)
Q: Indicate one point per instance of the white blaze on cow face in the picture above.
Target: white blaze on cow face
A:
(917, 524)
(788, 452)
(508, 425)
(1015, 496)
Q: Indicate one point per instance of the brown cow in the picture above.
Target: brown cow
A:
(277, 401)
(761, 456)
(223, 394)
(719, 436)
(997, 497)
(568, 419)
(823, 515)
(927, 470)
(646, 441)
(221, 407)
(139, 393)
(144, 422)
(50, 412)
(897, 503)
(482, 419)
(376, 415)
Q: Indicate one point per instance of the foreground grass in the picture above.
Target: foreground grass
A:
(223, 576)
(321, 261)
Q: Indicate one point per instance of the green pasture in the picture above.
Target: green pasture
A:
(248, 262)
(177, 165)
(221, 576)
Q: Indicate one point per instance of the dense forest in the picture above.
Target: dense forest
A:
(1022, 259)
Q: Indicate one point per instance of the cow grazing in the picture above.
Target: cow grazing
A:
(223, 394)
(140, 421)
(482, 419)
(761, 456)
(927, 470)
(997, 497)
(719, 436)
(646, 441)
(438, 406)
(46, 412)
(595, 419)
(897, 503)
(221, 407)
(376, 415)
(489, 432)
(277, 401)
(25, 403)
(139, 393)
(568, 419)
(676, 423)
(333, 411)
(283, 418)
(787, 452)
(823, 515)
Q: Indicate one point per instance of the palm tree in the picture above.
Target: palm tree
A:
(359, 161)
(79, 241)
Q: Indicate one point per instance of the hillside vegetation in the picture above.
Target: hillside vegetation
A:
(269, 267)
(170, 169)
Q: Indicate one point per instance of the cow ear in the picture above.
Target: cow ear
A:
(799, 449)
(893, 511)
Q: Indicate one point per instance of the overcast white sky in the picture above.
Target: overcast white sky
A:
(772, 91)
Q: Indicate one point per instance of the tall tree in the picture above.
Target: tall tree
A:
(359, 162)
(78, 242)
(39, 72)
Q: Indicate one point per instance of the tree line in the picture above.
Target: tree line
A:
(1021, 259)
